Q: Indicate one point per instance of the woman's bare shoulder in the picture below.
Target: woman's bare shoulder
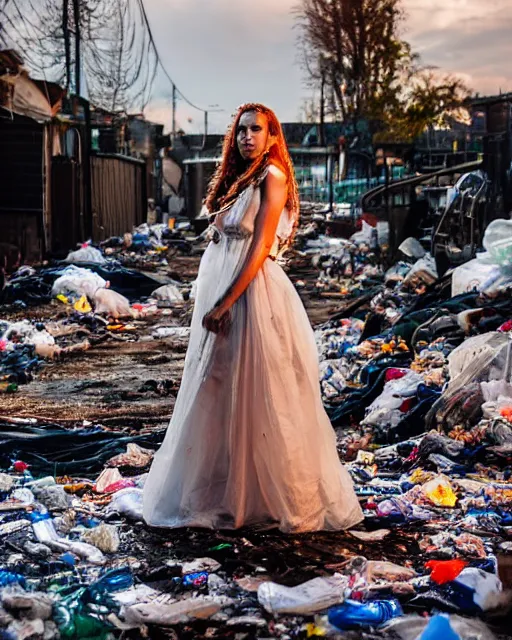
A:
(276, 174)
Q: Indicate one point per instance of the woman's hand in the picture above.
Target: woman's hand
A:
(218, 320)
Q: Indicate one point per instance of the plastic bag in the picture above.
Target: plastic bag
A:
(106, 478)
(498, 242)
(111, 303)
(175, 613)
(28, 333)
(484, 585)
(480, 359)
(472, 276)
(385, 410)
(412, 248)
(312, 596)
(77, 282)
(383, 233)
(423, 271)
(443, 571)
(105, 537)
(388, 571)
(169, 293)
(127, 502)
(86, 254)
(365, 236)
(411, 627)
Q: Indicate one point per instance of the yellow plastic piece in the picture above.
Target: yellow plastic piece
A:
(82, 305)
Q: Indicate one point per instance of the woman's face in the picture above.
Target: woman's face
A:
(252, 135)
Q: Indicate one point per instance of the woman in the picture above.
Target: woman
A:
(249, 442)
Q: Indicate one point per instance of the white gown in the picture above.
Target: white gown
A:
(249, 442)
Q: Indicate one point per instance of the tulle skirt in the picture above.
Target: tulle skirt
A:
(249, 442)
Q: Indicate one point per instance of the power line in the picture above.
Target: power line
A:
(160, 60)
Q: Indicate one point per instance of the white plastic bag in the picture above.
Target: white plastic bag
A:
(169, 293)
(86, 254)
(77, 282)
(424, 270)
(412, 248)
(498, 242)
(25, 330)
(127, 502)
(472, 276)
(312, 596)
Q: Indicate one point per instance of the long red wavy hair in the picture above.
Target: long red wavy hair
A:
(233, 175)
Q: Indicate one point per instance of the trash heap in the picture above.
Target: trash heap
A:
(72, 309)
(418, 386)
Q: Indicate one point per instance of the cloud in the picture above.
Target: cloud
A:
(227, 52)
(467, 37)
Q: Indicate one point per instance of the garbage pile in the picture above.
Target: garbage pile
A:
(81, 307)
(418, 386)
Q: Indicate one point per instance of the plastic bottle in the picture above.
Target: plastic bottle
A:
(354, 615)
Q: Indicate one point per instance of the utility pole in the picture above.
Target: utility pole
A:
(67, 48)
(322, 110)
(76, 16)
(174, 101)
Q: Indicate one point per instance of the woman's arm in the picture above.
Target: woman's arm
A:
(275, 194)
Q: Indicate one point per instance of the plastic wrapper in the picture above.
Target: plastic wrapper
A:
(312, 596)
(202, 607)
(356, 615)
(440, 492)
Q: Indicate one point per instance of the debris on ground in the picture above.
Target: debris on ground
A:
(417, 383)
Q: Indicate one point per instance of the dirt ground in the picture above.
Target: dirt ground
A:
(130, 376)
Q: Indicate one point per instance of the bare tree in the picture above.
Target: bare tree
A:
(117, 56)
(354, 47)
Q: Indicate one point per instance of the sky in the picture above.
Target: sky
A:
(222, 53)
